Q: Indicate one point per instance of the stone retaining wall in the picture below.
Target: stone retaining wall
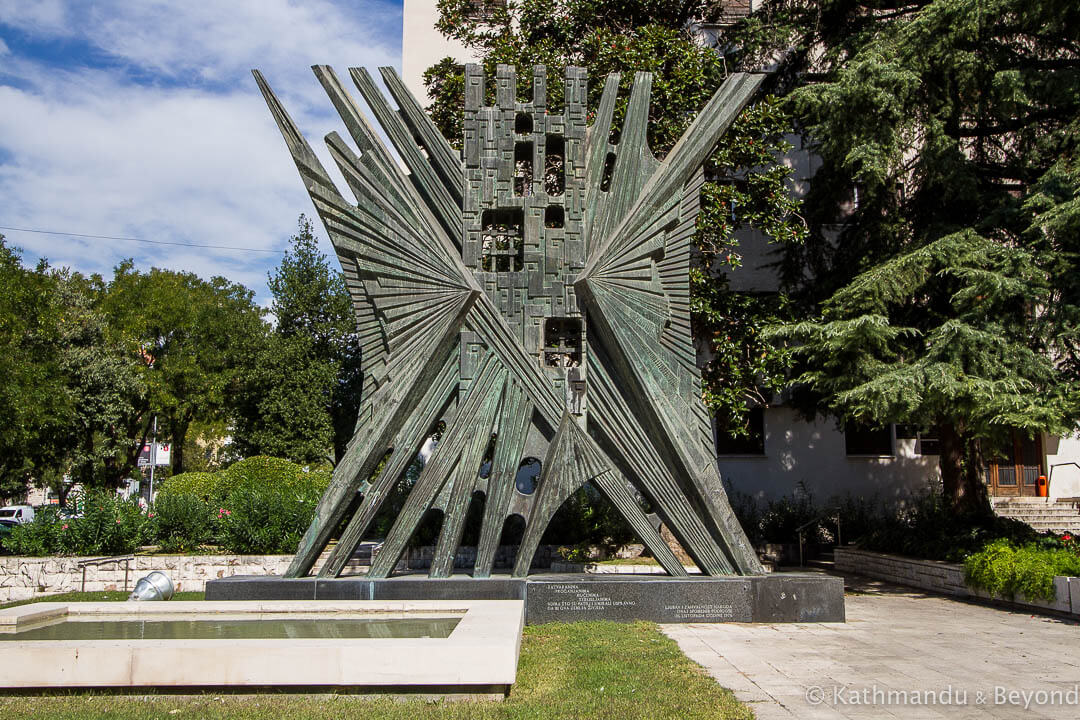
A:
(947, 579)
(22, 578)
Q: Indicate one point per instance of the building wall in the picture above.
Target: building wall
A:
(422, 45)
(812, 457)
(1065, 478)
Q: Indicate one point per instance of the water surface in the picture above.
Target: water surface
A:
(239, 629)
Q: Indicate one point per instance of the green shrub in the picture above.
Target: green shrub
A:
(259, 520)
(259, 505)
(181, 522)
(926, 528)
(259, 471)
(1004, 569)
(200, 485)
(778, 521)
(39, 537)
(110, 525)
(263, 471)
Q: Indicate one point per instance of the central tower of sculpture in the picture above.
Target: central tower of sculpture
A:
(531, 292)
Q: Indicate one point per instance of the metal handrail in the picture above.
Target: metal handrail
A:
(101, 561)
(829, 513)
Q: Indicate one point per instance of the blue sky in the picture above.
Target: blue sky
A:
(140, 118)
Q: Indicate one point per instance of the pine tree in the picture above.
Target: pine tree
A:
(940, 276)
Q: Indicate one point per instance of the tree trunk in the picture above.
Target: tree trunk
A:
(961, 477)
(63, 489)
(179, 435)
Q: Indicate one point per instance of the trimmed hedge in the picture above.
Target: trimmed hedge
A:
(260, 471)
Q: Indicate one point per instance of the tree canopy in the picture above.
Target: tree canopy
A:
(938, 284)
(88, 364)
(300, 394)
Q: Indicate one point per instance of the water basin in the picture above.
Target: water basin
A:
(437, 648)
(263, 627)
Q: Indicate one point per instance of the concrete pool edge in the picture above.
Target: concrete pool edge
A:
(479, 655)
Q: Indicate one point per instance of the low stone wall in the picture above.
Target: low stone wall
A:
(22, 578)
(947, 579)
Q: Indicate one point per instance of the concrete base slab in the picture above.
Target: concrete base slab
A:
(566, 597)
(479, 657)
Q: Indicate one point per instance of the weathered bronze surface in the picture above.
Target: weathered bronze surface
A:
(532, 293)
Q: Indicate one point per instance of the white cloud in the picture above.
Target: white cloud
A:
(40, 16)
(189, 152)
(4, 48)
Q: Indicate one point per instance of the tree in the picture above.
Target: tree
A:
(282, 410)
(93, 445)
(948, 296)
(301, 392)
(947, 336)
(190, 336)
(747, 183)
(32, 396)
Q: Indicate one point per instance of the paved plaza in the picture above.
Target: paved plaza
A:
(902, 653)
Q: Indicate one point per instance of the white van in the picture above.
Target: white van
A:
(16, 514)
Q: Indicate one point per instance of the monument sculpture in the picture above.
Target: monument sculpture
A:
(532, 293)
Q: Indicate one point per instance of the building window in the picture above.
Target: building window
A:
(868, 440)
(926, 441)
(928, 444)
(752, 444)
(484, 9)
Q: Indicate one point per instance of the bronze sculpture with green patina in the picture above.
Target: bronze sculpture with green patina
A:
(531, 292)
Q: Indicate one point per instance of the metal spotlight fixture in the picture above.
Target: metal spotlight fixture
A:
(155, 586)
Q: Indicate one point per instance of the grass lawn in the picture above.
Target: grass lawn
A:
(582, 670)
(101, 596)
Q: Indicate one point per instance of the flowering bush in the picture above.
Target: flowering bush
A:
(255, 506)
(109, 525)
(38, 537)
(258, 519)
(259, 505)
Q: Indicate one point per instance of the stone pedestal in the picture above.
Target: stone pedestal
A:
(780, 597)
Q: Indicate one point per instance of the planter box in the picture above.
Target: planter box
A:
(948, 579)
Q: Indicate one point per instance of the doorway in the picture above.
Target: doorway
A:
(1014, 471)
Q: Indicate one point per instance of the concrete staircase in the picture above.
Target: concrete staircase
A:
(1040, 513)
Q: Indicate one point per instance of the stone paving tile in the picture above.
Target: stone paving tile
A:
(900, 641)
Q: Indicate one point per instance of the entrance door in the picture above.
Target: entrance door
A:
(1015, 470)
